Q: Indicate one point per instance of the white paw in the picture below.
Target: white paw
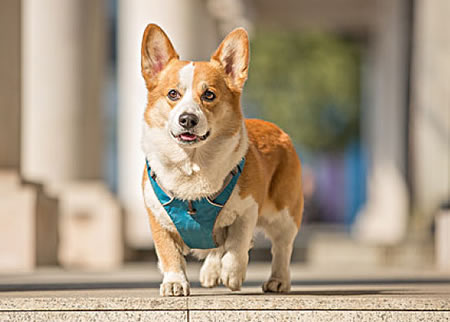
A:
(276, 285)
(174, 284)
(210, 272)
(233, 271)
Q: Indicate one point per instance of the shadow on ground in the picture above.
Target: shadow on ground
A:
(298, 283)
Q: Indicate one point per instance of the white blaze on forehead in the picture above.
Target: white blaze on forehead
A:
(187, 104)
(186, 75)
(186, 80)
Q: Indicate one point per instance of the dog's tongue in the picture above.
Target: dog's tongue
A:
(188, 137)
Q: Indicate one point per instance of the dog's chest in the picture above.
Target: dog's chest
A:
(234, 207)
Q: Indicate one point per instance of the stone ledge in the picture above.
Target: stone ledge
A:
(95, 316)
(342, 316)
(227, 315)
(337, 298)
(318, 294)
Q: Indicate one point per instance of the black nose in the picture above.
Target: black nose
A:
(188, 121)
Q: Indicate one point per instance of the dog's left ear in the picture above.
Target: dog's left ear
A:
(233, 56)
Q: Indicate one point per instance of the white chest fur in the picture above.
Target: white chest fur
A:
(192, 173)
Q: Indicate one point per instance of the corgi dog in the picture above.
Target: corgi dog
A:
(211, 176)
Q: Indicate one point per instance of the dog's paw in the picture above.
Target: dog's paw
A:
(174, 289)
(276, 285)
(210, 272)
(233, 271)
(174, 284)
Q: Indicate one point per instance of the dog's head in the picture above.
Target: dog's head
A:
(193, 102)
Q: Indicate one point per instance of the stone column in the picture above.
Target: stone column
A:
(62, 143)
(51, 91)
(26, 212)
(384, 218)
(430, 108)
(17, 215)
(193, 33)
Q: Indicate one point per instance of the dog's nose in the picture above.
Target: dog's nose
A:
(188, 120)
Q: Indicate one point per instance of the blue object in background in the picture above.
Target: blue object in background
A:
(356, 180)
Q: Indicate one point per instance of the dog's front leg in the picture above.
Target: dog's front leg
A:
(171, 260)
(237, 244)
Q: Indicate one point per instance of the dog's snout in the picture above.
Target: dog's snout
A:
(188, 120)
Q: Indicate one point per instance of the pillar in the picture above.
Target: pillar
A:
(64, 57)
(384, 218)
(27, 214)
(430, 108)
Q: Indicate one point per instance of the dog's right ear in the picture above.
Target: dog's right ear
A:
(156, 52)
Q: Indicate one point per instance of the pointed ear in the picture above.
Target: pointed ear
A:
(233, 56)
(156, 51)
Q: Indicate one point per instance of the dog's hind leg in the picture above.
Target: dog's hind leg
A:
(281, 231)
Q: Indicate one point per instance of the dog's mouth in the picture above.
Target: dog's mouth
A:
(190, 138)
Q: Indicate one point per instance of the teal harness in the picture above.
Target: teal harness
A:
(195, 219)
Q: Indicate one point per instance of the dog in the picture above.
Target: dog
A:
(211, 176)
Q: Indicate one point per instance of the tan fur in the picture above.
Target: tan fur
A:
(169, 244)
(272, 163)
(269, 190)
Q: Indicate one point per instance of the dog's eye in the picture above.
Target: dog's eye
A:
(208, 96)
(173, 95)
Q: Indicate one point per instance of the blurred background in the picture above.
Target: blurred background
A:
(361, 86)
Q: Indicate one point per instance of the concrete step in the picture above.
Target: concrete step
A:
(318, 294)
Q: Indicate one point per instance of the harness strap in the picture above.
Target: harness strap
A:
(236, 170)
(195, 219)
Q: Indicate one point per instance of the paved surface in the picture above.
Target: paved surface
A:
(318, 294)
